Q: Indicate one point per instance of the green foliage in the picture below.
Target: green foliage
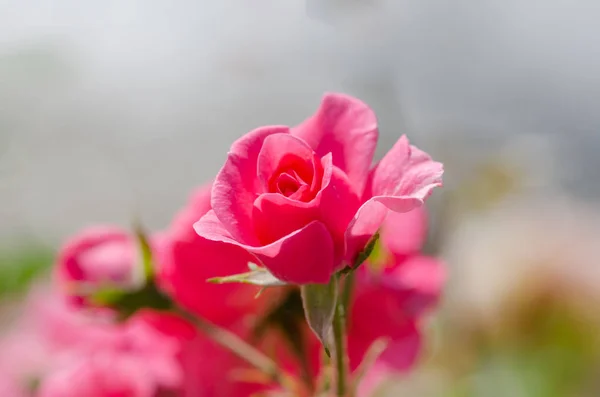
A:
(319, 302)
(19, 266)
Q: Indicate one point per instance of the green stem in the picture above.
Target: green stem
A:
(339, 334)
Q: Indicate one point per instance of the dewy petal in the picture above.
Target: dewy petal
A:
(302, 257)
(347, 128)
(237, 186)
(401, 182)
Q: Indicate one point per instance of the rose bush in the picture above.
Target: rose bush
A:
(305, 200)
(301, 202)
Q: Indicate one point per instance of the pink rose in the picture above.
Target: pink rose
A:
(69, 352)
(186, 261)
(131, 359)
(97, 256)
(102, 375)
(305, 200)
(392, 296)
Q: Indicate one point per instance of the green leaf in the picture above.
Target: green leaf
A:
(146, 252)
(126, 303)
(319, 301)
(258, 276)
(21, 265)
(106, 296)
(366, 252)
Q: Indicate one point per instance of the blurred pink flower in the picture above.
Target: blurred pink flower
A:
(105, 374)
(97, 256)
(187, 260)
(305, 200)
(392, 294)
(209, 370)
(69, 352)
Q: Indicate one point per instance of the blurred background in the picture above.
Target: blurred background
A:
(118, 109)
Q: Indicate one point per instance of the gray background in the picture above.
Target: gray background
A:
(116, 108)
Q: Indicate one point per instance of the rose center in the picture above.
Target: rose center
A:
(293, 178)
(287, 184)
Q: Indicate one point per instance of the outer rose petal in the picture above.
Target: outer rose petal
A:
(98, 254)
(398, 356)
(347, 128)
(419, 280)
(401, 182)
(405, 173)
(404, 233)
(402, 294)
(302, 257)
(188, 260)
(237, 186)
(404, 339)
(367, 220)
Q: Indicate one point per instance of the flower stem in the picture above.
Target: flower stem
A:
(238, 346)
(339, 335)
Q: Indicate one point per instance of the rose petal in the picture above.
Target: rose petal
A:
(400, 355)
(83, 257)
(185, 261)
(338, 205)
(404, 233)
(404, 173)
(283, 153)
(368, 323)
(302, 257)
(236, 185)
(401, 182)
(347, 128)
(418, 282)
(367, 220)
(276, 216)
(188, 266)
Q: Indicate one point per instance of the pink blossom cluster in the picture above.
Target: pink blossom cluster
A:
(305, 205)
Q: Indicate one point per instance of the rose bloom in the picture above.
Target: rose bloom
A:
(305, 200)
(95, 257)
(394, 292)
(57, 350)
(186, 261)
